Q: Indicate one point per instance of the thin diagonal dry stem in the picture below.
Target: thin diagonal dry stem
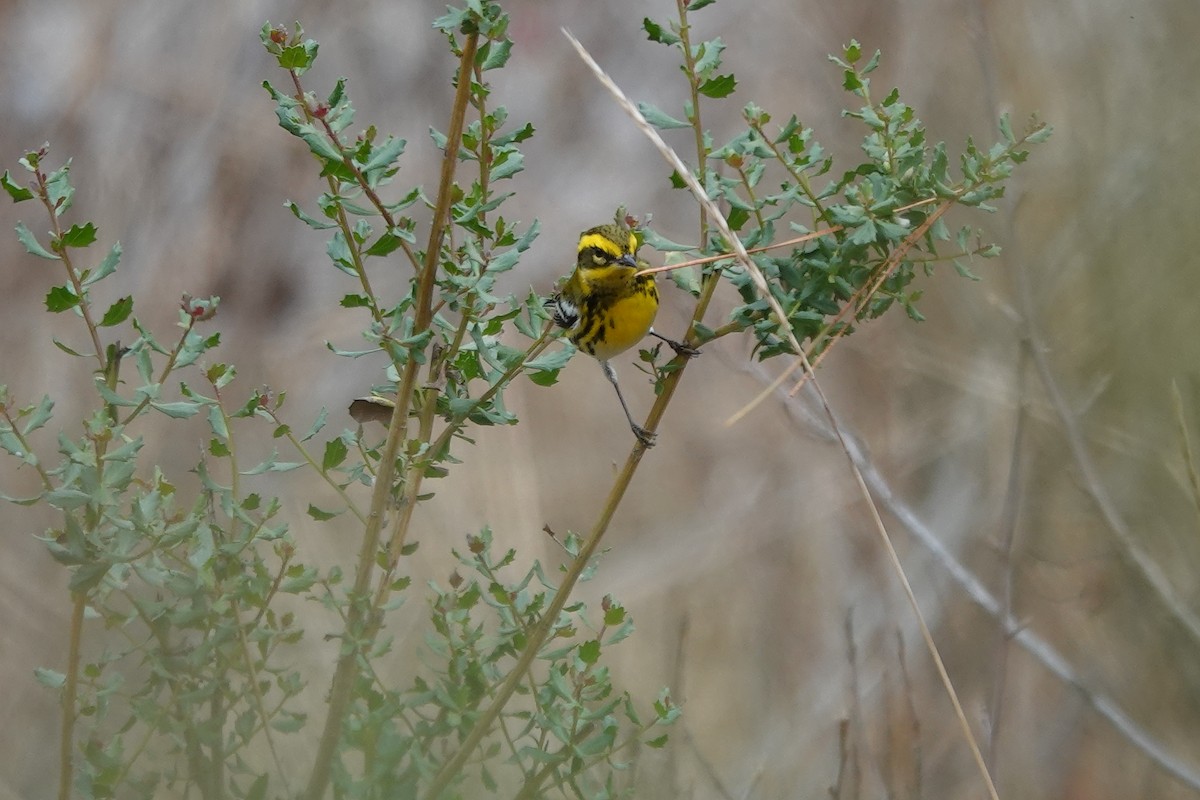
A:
(808, 237)
(760, 281)
(1008, 533)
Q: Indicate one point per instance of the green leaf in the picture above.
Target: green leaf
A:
(872, 64)
(180, 410)
(59, 190)
(31, 245)
(126, 452)
(1005, 129)
(719, 86)
(318, 424)
(494, 55)
(49, 677)
(696, 5)
(708, 55)
(962, 270)
(298, 57)
(106, 268)
(356, 301)
(686, 278)
(38, 416)
(439, 139)
(515, 136)
(17, 193)
(384, 154)
(589, 651)
(60, 298)
(67, 499)
(546, 377)
(389, 241)
(1040, 134)
(339, 254)
(335, 454)
(307, 219)
(337, 94)
(864, 233)
(737, 217)
(118, 312)
(319, 515)
(659, 118)
(451, 21)
(79, 236)
(23, 501)
(554, 360)
(657, 33)
(114, 399)
(87, 576)
(507, 165)
(204, 547)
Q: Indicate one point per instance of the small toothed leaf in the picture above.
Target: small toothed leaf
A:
(118, 312)
(60, 298)
(31, 244)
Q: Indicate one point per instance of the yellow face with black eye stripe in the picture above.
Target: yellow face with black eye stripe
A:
(601, 246)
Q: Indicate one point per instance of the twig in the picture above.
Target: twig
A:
(1008, 526)
(913, 790)
(808, 237)
(855, 730)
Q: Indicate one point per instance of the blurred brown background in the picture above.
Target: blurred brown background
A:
(1027, 426)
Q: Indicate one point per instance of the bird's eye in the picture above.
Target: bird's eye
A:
(600, 259)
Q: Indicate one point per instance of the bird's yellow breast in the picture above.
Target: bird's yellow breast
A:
(616, 309)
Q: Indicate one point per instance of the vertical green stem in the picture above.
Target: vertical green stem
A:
(357, 622)
(70, 692)
(689, 60)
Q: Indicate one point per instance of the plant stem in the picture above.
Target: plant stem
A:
(70, 692)
(358, 619)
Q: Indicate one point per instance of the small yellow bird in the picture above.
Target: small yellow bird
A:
(607, 307)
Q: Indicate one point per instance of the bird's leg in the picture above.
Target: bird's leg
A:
(644, 436)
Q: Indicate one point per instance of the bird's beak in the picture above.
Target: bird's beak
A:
(628, 260)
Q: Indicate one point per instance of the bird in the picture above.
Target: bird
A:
(607, 307)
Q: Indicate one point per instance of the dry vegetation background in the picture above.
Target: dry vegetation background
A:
(741, 551)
